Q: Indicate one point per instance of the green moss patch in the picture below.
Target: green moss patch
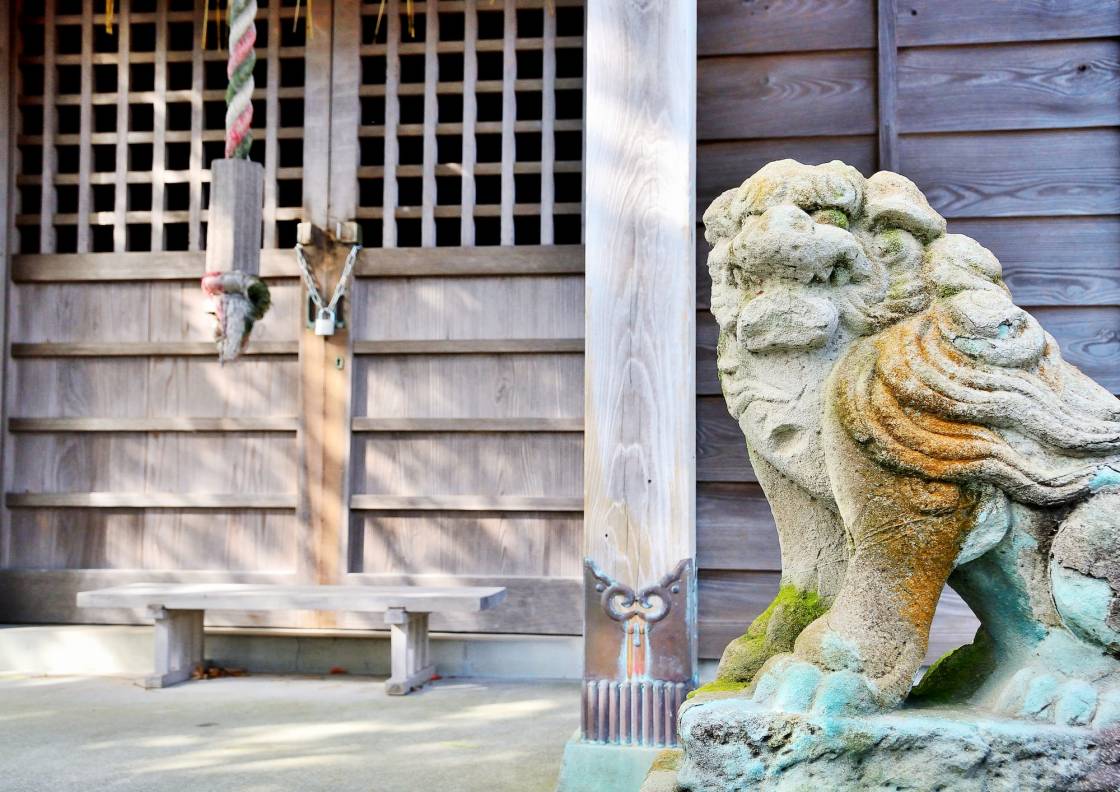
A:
(833, 217)
(957, 675)
(773, 632)
(719, 686)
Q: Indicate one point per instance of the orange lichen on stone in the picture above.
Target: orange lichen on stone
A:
(920, 405)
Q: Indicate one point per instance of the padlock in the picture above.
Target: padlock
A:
(324, 322)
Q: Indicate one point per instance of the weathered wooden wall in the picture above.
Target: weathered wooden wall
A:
(452, 452)
(1005, 114)
(131, 453)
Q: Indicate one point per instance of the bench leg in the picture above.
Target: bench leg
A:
(411, 663)
(178, 646)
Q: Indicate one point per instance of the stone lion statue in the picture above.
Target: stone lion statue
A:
(911, 426)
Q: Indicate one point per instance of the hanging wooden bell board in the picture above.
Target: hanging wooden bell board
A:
(233, 250)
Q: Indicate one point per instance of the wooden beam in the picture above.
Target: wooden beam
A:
(317, 115)
(48, 199)
(346, 111)
(159, 146)
(144, 349)
(327, 363)
(485, 45)
(197, 160)
(431, 118)
(509, 116)
(362, 424)
(468, 346)
(548, 129)
(640, 298)
(986, 23)
(85, 127)
(148, 500)
(124, 76)
(391, 150)
(162, 424)
(272, 121)
(470, 117)
(372, 263)
(522, 503)
(466, 261)
(888, 86)
(323, 439)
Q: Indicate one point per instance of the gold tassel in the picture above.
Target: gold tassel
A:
(109, 16)
(307, 25)
(380, 13)
(411, 17)
(205, 21)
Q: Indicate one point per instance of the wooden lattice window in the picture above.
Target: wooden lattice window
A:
(471, 124)
(117, 127)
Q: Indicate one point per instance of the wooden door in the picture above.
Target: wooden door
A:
(437, 438)
(463, 163)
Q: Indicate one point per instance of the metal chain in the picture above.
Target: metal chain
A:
(347, 270)
(312, 287)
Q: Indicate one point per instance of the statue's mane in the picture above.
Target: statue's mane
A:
(1038, 428)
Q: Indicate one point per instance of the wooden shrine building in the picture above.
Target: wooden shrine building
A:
(526, 375)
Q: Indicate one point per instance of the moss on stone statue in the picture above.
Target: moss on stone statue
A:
(955, 676)
(773, 632)
(833, 217)
(890, 242)
(719, 686)
(667, 760)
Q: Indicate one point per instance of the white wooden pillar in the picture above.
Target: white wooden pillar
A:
(640, 388)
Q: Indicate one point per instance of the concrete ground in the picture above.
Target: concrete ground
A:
(270, 733)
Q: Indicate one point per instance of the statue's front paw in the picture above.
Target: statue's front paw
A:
(1055, 697)
(788, 684)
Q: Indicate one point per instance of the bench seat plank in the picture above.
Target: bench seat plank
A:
(249, 596)
(177, 610)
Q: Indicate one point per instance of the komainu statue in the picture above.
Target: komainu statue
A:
(911, 427)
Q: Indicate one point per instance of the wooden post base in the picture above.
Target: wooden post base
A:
(178, 646)
(409, 651)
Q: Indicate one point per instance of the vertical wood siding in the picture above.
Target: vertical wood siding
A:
(1008, 122)
(133, 455)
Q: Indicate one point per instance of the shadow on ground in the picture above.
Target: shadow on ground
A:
(267, 733)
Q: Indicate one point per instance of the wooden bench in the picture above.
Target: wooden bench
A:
(178, 608)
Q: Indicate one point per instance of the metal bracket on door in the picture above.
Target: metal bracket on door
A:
(347, 232)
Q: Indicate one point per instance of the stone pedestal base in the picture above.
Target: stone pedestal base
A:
(730, 745)
(598, 767)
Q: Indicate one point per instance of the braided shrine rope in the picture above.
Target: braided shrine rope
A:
(239, 93)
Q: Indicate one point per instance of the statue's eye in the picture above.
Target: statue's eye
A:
(833, 217)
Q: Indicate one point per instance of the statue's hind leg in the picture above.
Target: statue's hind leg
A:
(814, 551)
(1049, 611)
